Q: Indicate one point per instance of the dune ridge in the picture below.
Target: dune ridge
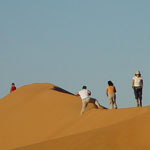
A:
(43, 116)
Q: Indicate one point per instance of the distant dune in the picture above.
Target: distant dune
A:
(46, 117)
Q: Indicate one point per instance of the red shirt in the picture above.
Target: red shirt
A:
(13, 88)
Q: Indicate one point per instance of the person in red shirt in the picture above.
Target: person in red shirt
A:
(13, 87)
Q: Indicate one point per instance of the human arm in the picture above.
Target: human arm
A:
(142, 84)
(115, 90)
(89, 92)
(133, 83)
(77, 94)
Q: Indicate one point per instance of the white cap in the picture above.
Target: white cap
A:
(137, 72)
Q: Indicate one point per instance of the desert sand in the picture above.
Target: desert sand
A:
(43, 116)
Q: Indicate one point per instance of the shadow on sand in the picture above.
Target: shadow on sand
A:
(58, 89)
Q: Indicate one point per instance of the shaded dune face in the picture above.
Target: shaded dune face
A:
(44, 116)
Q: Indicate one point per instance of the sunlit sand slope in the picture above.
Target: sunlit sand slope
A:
(35, 113)
(130, 134)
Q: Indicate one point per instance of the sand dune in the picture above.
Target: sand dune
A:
(43, 117)
(132, 134)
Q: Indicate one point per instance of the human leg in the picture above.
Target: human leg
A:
(137, 102)
(136, 96)
(140, 102)
(110, 100)
(84, 105)
(140, 97)
(114, 101)
(97, 103)
(94, 102)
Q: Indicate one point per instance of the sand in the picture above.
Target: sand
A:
(44, 116)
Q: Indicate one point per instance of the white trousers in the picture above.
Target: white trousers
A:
(112, 101)
(89, 100)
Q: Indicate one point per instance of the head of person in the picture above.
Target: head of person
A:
(138, 74)
(84, 87)
(13, 84)
(110, 83)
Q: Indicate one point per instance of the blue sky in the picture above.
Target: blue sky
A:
(74, 43)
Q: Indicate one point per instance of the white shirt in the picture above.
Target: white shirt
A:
(83, 94)
(137, 81)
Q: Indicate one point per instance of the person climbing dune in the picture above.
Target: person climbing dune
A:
(85, 96)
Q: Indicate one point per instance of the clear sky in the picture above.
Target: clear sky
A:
(71, 43)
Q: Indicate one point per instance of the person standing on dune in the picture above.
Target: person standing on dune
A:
(13, 87)
(111, 94)
(137, 85)
(85, 96)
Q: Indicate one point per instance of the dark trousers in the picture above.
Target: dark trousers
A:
(138, 95)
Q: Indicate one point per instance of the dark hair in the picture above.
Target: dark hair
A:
(13, 84)
(84, 87)
(138, 74)
(110, 83)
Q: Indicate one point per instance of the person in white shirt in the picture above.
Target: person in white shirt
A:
(85, 96)
(137, 85)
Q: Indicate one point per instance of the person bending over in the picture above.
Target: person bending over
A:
(85, 96)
